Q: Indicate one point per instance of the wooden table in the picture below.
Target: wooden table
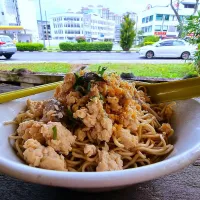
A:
(183, 185)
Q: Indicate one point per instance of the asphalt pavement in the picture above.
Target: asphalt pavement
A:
(80, 57)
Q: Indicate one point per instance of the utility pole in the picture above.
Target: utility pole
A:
(41, 22)
(47, 34)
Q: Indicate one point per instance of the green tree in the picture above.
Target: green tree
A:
(127, 33)
(192, 27)
(151, 38)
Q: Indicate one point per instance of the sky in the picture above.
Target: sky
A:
(117, 6)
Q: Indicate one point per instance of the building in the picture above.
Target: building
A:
(117, 32)
(132, 15)
(8, 13)
(16, 13)
(161, 20)
(44, 30)
(67, 26)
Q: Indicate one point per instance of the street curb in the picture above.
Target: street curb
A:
(117, 51)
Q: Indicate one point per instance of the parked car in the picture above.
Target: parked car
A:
(7, 46)
(171, 48)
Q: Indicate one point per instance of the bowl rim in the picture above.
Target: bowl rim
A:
(99, 179)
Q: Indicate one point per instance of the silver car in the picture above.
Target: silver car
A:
(7, 47)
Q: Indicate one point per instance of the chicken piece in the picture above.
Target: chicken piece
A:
(72, 98)
(124, 137)
(53, 111)
(109, 161)
(58, 137)
(89, 114)
(114, 103)
(129, 119)
(63, 89)
(103, 129)
(35, 107)
(96, 118)
(167, 129)
(90, 150)
(37, 155)
(31, 129)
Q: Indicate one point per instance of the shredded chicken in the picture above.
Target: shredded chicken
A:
(103, 129)
(72, 98)
(125, 137)
(95, 117)
(31, 129)
(63, 89)
(90, 150)
(114, 103)
(37, 155)
(35, 107)
(129, 119)
(109, 161)
(60, 139)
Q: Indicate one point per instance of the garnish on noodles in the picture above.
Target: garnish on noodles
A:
(94, 122)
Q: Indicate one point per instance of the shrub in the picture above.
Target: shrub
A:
(86, 46)
(80, 39)
(148, 43)
(127, 33)
(29, 46)
(151, 38)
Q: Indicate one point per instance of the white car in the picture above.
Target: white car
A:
(169, 48)
(7, 47)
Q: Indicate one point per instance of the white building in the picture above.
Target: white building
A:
(68, 26)
(19, 13)
(161, 20)
(8, 12)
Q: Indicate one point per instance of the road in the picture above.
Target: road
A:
(79, 57)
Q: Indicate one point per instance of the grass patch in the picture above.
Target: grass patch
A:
(40, 67)
(150, 70)
(146, 70)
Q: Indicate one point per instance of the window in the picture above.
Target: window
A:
(143, 20)
(167, 43)
(157, 28)
(166, 17)
(178, 43)
(159, 17)
(189, 6)
(149, 28)
(172, 28)
(151, 18)
(164, 28)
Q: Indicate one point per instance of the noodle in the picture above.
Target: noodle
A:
(122, 128)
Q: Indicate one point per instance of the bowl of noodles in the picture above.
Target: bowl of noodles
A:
(96, 131)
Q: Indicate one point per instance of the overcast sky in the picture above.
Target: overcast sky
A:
(117, 6)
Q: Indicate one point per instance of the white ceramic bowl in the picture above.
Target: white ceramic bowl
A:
(186, 142)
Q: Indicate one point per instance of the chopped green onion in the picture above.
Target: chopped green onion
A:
(54, 132)
(101, 70)
(89, 87)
